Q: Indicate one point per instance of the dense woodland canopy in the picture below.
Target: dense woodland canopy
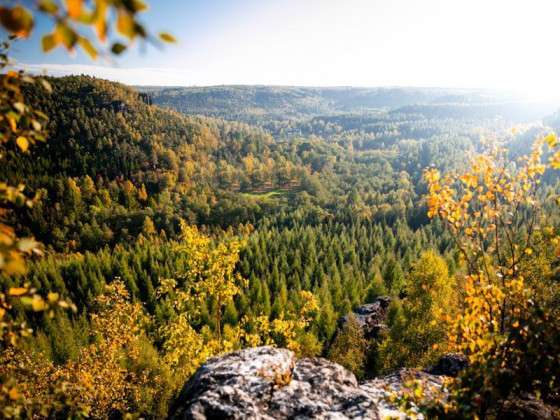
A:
(117, 171)
(293, 190)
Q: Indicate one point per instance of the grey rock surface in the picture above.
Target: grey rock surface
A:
(270, 383)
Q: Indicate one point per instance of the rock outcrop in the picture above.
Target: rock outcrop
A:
(449, 364)
(267, 383)
(528, 408)
(372, 317)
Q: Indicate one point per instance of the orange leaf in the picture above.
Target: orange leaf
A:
(74, 8)
(22, 143)
(17, 291)
(14, 394)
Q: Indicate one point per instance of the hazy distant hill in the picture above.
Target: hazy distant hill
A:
(261, 104)
(254, 103)
(554, 121)
(513, 110)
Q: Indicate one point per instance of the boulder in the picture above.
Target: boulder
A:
(372, 317)
(270, 383)
(266, 383)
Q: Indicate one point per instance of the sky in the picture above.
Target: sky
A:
(500, 44)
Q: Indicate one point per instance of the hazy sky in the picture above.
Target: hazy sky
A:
(473, 43)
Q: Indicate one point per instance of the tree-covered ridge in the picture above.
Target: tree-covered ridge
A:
(111, 157)
(115, 166)
(343, 223)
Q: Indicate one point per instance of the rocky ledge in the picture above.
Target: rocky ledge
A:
(271, 383)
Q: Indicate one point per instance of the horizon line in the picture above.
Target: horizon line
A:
(110, 73)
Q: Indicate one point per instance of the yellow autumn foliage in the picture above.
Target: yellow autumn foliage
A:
(94, 384)
(494, 213)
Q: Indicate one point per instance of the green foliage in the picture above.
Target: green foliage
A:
(418, 332)
(350, 347)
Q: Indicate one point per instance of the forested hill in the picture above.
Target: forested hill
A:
(112, 162)
(115, 166)
(263, 104)
(329, 218)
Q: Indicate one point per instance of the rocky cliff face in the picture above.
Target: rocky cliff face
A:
(267, 383)
(372, 317)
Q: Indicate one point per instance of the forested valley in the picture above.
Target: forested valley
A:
(172, 232)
